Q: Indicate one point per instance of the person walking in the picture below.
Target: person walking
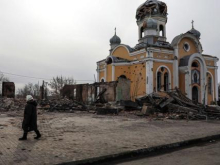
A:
(30, 118)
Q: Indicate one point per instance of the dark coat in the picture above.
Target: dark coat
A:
(30, 116)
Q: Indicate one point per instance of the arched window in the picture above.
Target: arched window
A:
(195, 94)
(195, 78)
(210, 85)
(102, 80)
(123, 76)
(195, 64)
(166, 82)
(141, 32)
(109, 60)
(158, 81)
(161, 30)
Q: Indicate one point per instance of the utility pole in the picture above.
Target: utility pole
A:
(46, 90)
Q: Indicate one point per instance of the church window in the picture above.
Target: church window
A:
(166, 82)
(210, 85)
(186, 47)
(195, 64)
(161, 31)
(195, 78)
(142, 32)
(102, 80)
(109, 61)
(123, 76)
(159, 81)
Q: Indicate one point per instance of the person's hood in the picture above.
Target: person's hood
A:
(29, 97)
(32, 102)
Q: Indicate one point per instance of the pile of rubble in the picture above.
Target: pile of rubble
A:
(175, 105)
(10, 104)
(61, 105)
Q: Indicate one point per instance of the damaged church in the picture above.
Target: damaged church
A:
(155, 65)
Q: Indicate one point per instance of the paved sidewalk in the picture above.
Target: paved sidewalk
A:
(78, 136)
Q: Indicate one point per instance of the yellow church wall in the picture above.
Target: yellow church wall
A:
(138, 80)
(163, 56)
(122, 52)
(209, 63)
(101, 75)
(140, 56)
(109, 73)
(101, 66)
(122, 70)
(156, 66)
(192, 50)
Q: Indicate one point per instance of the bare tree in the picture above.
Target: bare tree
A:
(29, 89)
(59, 82)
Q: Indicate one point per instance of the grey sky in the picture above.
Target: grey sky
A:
(45, 38)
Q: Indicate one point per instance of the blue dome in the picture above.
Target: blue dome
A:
(115, 40)
(195, 32)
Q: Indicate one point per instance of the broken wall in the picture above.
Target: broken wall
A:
(87, 93)
(8, 89)
(110, 94)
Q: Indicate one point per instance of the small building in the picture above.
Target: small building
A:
(156, 65)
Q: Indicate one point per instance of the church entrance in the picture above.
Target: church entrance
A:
(195, 94)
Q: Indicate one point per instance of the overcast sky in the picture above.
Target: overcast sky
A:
(45, 38)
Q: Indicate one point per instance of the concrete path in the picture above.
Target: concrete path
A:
(197, 155)
(79, 136)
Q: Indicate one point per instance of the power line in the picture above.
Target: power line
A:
(38, 78)
(25, 76)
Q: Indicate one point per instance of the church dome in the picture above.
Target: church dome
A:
(150, 24)
(151, 7)
(195, 32)
(115, 40)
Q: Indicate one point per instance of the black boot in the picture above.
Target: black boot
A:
(38, 135)
(24, 137)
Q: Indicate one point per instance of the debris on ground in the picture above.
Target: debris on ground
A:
(100, 98)
(106, 111)
(157, 106)
(128, 105)
(175, 105)
(62, 105)
(11, 104)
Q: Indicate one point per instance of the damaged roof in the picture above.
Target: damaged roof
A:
(113, 59)
(161, 44)
(151, 7)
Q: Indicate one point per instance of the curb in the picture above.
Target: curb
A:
(142, 152)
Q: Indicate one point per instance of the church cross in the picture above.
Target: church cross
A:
(115, 30)
(192, 24)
